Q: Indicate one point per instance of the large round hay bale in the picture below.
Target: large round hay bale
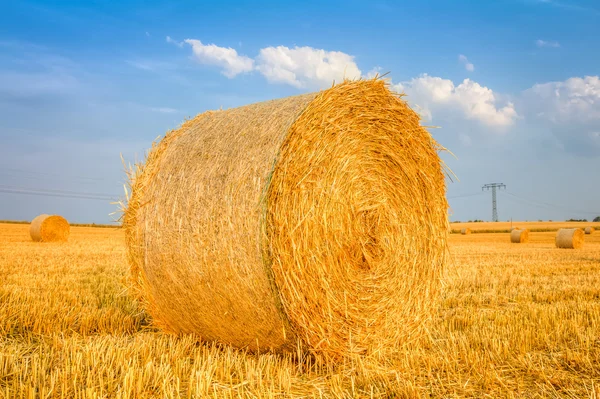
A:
(519, 236)
(320, 218)
(465, 231)
(589, 230)
(49, 228)
(570, 238)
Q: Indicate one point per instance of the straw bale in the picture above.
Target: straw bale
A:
(570, 238)
(465, 231)
(49, 228)
(589, 230)
(319, 218)
(519, 236)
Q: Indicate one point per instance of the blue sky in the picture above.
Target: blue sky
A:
(513, 86)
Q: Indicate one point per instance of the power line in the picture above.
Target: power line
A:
(548, 205)
(57, 193)
(47, 174)
(466, 195)
(50, 190)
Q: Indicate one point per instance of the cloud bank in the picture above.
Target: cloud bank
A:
(568, 110)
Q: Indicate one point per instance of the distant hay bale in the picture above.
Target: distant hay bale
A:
(589, 230)
(570, 238)
(465, 231)
(519, 236)
(49, 228)
(320, 218)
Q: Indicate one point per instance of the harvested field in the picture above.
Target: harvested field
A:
(532, 226)
(514, 321)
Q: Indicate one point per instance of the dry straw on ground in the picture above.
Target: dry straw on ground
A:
(570, 238)
(318, 219)
(519, 236)
(465, 231)
(589, 230)
(49, 228)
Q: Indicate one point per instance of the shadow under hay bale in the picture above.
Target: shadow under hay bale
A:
(570, 238)
(319, 218)
(519, 236)
(465, 231)
(49, 228)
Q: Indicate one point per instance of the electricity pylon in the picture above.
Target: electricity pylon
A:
(494, 186)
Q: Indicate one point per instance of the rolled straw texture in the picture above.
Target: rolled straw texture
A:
(519, 236)
(570, 238)
(589, 230)
(49, 228)
(320, 218)
(465, 231)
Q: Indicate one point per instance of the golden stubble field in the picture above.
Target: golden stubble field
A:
(487, 226)
(515, 320)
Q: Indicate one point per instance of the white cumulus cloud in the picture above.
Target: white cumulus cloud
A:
(301, 67)
(376, 71)
(305, 66)
(431, 95)
(575, 99)
(175, 42)
(164, 110)
(570, 109)
(465, 61)
(230, 62)
(543, 43)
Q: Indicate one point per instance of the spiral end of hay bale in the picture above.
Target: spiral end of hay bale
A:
(49, 228)
(570, 238)
(356, 197)
(519, 236)
(320, 218)
(465, 231)
(589, 230)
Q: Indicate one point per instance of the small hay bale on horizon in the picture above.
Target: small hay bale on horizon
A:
(589, 230)
(291, 221)
(465, 231)
(570, 238)
(519, 236)
(49, 228)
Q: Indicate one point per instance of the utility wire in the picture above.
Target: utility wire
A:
(57, 193)
(466, 195)
(546, 204)
(19, 172)
(66, 192)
